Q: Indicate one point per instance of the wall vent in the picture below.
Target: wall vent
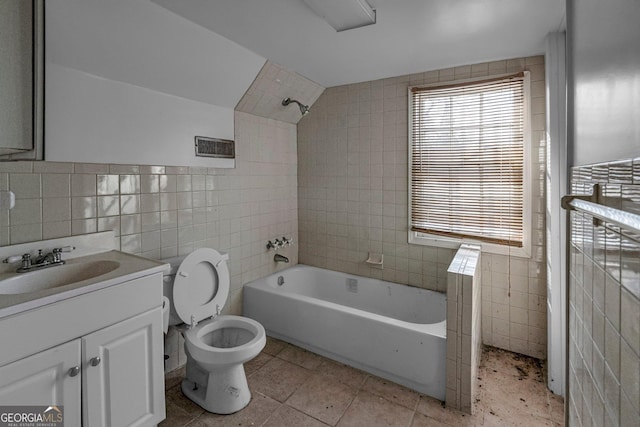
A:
(215, 147)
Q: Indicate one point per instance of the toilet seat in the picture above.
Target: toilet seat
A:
(201, 285)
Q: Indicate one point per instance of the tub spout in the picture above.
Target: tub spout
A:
(280, 258)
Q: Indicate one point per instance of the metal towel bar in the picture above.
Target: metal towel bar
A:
(596, 205)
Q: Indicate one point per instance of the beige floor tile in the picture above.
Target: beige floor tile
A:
(420, 420)
(511, 392)
(556, 406)
(175, 396)
(256, 413)
(345, 374)
(256, 363)
(176, 417)
(508, 394)
(278, 379)
(514, 420)
(287, 416)
(369, 410)
(435, 409)
(391, 391)
(274, 346)
(301, 357)
(511, 410)
(174, 377)
(323, 398)
(196, 423)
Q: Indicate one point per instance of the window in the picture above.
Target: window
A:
(468, 162)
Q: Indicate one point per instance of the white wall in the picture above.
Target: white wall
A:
(91, 119)
(132, 83)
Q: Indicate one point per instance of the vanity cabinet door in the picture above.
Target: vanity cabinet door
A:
(49, 378)
(123, 373)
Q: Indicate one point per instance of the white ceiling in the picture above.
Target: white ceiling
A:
(410, 35)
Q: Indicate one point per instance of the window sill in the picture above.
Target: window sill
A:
(450, 243)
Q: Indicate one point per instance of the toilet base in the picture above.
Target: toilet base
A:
(226, 392)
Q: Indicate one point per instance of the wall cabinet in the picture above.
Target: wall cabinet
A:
(21, 76)
(107, 367)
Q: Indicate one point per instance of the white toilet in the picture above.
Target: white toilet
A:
(216, 346)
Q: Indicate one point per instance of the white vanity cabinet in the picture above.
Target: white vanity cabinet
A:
(123, 373)
(99, 354)
(51, 376)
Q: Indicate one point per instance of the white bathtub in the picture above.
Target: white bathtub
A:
(393, 331)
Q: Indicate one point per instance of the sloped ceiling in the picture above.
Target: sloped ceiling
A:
(271, 86)
(143, 44)
(410, 36)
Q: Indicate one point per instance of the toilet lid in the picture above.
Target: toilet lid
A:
(201, 285)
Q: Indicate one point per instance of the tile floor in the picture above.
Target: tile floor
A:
(292, 387)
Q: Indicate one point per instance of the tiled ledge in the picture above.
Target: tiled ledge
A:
(464, 332)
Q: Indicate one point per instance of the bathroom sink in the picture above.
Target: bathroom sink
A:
(53, 277)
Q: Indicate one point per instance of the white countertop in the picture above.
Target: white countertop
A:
(131, 267)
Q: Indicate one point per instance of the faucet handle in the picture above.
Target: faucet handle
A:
(25, 259)
(63, 249)
(11, 259)
(57, 252)
(287, 242)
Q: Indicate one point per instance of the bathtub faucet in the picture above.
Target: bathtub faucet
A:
(280, 258)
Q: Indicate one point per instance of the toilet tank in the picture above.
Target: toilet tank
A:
(167, 286)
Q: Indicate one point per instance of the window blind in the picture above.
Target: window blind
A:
(467, 160)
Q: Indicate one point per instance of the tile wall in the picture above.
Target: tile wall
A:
(604, 303)
(165, 211)
(464, 331)
(352, 198)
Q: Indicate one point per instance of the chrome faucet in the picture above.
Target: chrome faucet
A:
(280, 258)
(50, 259)
(279, 243)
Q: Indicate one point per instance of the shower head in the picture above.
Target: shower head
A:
(304, 109)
